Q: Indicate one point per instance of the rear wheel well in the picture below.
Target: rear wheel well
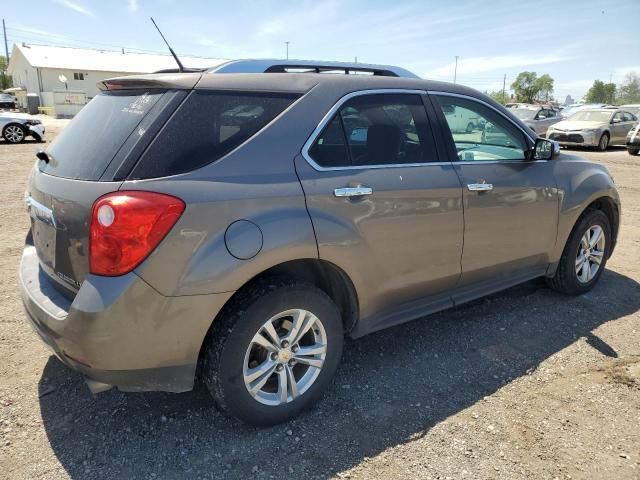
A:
(326, 276)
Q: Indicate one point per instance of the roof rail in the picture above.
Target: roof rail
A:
(309, 66)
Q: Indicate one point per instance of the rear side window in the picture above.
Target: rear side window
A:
(86, 146)
(376, 129)
(207, 126)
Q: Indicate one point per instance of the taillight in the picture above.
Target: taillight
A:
(126, 227)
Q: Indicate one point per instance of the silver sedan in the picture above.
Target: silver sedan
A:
(537, 118)
(598, 128)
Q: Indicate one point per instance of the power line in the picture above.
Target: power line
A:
(61, 40)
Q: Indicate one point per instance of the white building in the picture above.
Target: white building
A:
(38, 68)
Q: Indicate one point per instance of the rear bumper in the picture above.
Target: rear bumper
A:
(119, 331)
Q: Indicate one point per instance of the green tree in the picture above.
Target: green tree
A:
(5, 79)
(545, 84)
(601, 92)
(499, 96)
(629, 91)
(528, 87)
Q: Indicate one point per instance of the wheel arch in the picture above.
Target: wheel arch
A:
(325, 275)
(609, 206)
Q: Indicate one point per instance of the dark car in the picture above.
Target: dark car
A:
(235, 227)
(7, 102)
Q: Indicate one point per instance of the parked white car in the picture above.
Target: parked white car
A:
(16, 127)
(462, 120)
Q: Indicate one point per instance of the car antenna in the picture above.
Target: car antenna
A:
(180, 66)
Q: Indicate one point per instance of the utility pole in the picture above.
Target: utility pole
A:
(287, 44)
(6, 46)
(455, 71)
(504, 84)
(356, 59)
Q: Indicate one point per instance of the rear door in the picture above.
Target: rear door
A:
(83, 164)
(546, 118)
(628, 122)
(383, 206)
(510, 203)
(619, 128)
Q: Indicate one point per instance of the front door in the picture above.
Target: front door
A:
(383, 208)
(510, 203)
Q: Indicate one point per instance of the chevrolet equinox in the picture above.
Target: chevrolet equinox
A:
(234, 227)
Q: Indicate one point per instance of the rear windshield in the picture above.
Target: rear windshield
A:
(86, 146)
(207, 126)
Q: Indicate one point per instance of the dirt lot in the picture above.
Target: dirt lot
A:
(525, 384)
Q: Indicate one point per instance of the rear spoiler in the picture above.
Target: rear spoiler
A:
(184, 81)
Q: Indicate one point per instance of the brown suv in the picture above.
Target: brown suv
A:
(236, 226)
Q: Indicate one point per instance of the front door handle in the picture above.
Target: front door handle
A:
(352, 191)
(480, 187)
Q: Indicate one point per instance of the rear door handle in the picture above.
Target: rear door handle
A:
(480, 187)
(352, 192)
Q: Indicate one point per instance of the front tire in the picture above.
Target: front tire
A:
(273, 351)
(633, 151)
(14, 133)
(603, 143)
(469, 128)
(585, 255)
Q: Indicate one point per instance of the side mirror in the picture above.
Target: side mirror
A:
(615, 120)
(545, 149)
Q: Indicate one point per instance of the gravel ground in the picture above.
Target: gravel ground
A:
(524, 384)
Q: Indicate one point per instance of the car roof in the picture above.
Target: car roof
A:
(280, 82)
(601, 109)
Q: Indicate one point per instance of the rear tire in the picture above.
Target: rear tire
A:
(469, 128)
(14, 133)
(232, 357)
(633, 151)
(603, 143)
(569, 277)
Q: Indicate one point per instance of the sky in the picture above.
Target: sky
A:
(576, 42)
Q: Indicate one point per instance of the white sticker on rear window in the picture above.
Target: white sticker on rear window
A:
(137, 107)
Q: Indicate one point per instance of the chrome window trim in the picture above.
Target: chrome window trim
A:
(475, 99)
(329, 115)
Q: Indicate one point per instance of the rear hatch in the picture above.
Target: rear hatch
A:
(88, 159)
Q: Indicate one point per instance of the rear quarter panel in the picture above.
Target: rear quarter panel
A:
(256, 182)
(193, 259)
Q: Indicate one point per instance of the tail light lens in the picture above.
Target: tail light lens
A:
(126, 227)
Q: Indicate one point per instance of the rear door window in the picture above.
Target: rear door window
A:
(85, 147)
(376, 129)
(207, 126)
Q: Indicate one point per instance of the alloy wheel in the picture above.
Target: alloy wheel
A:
(13, 134)
(285, 357)
(604, 142)
(590, 254)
